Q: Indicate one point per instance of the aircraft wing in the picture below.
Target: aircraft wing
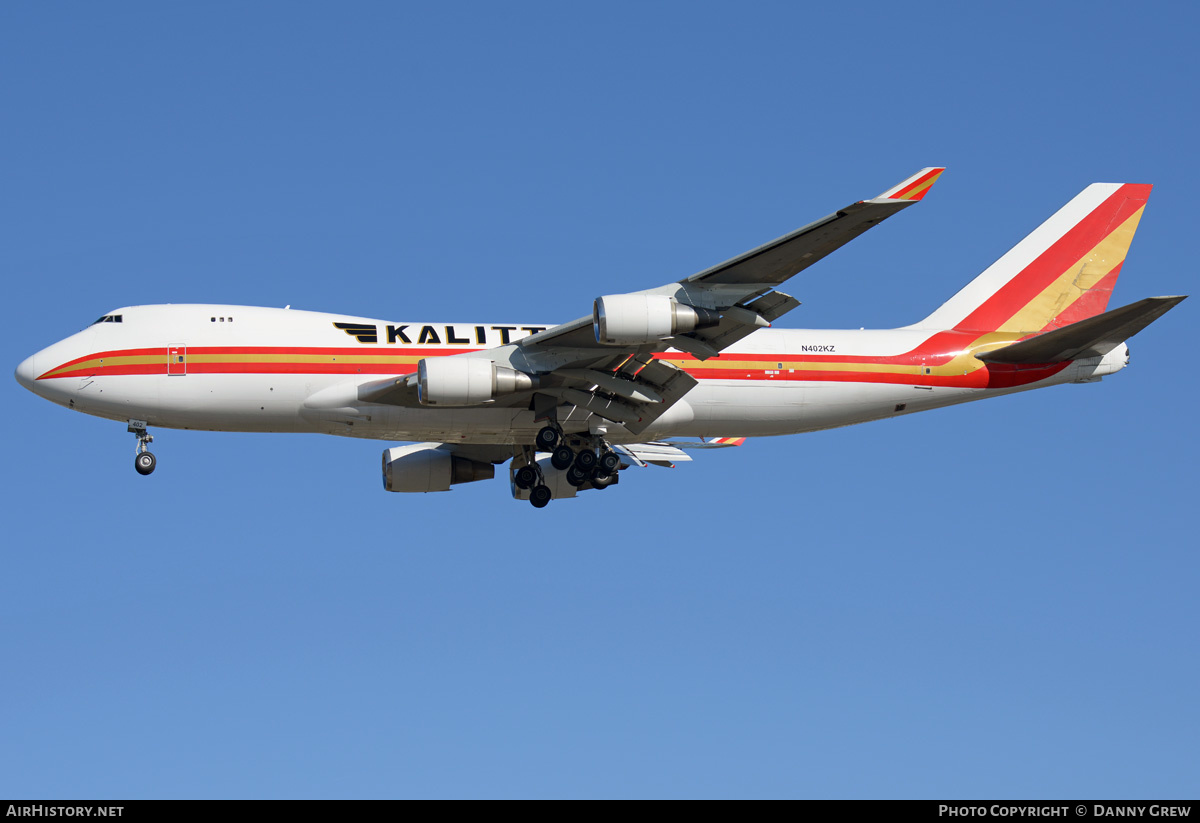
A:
(613, 373)
(742, 288)
(605, 362)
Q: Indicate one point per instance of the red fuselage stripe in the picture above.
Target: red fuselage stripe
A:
(764, 368)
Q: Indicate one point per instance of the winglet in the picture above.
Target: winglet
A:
(915, 187)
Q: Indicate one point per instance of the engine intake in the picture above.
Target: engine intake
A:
(425, 468)
(467, 381)
(646, 318)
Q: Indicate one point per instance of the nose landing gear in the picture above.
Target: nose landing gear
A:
(143, 461)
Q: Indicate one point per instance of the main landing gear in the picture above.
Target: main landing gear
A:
(587, 459)
(143, 461)
(530, 477)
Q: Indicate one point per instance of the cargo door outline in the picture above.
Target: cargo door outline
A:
(177, 361)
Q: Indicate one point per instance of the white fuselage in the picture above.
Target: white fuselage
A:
(240, 368)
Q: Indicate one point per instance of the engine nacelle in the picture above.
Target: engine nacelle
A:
(645, 318)
(467, 381)
(424, 468)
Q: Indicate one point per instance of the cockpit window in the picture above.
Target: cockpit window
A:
(109, 318)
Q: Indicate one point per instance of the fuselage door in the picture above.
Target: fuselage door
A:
(177, 360)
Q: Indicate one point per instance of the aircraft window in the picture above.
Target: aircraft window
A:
(222, 319)
(109, 318)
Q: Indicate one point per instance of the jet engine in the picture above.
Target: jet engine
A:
(646, 318)
(425, 468)
(467, 381)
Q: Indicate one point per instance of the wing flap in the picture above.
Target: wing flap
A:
(668, 382)
(654, 454)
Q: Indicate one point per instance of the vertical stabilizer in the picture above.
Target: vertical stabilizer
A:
(1060, 274)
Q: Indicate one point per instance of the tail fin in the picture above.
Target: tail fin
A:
(1060, 274)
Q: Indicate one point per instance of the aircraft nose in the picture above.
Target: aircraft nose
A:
(27, 372)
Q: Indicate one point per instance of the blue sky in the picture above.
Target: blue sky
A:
(992, 600)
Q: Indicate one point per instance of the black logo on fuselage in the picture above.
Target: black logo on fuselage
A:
(433, 335)
(365, 334)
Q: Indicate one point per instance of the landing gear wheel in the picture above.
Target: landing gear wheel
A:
(525, 477)
(577, 476)
(586, 460)
(562, 457)
(610, 461)
(546, 439)
(144, 463)
(540, 496)
(603, 481)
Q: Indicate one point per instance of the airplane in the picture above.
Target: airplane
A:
(570, 406)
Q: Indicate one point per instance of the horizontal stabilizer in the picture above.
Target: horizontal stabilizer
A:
(1093, 337)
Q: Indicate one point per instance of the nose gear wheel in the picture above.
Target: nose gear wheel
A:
(143, 461)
